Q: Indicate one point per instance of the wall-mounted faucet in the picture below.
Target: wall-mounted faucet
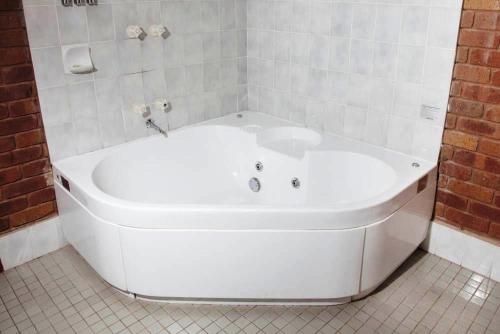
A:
(145, 111)
(152, 125)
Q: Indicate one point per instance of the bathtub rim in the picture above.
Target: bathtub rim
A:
(99, 201)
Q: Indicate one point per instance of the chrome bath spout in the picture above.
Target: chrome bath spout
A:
(152, 125)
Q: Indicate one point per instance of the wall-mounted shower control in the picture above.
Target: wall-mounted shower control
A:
(135, 31)
(142, 109)
(162, 104)
(157, 30)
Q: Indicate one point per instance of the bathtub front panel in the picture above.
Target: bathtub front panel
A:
(389, 243)
(95, 239)
(270, 265)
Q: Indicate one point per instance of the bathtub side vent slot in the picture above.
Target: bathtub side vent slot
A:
(65, 183)
(422, 183)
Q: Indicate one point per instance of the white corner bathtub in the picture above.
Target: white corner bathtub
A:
(175, 218)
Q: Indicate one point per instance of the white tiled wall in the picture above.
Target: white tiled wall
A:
(200, 67)
(25, 244)
(360, 68)
(463, 249)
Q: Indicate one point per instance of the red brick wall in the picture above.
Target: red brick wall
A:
(26, 192)
(469, 181)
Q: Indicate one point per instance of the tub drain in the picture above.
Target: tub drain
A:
(254, 184)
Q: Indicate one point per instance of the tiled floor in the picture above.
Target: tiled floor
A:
(60, 293)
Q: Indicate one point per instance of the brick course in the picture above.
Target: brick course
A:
(469, 170)
(26, 191)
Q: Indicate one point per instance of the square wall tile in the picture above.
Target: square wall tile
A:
(124, 14)
(410, 64)
(363, 21)
(388, 23)
(442, 27)
(341, 20)
(414, 25)
(72, 24)
(354, 122)
(48, 66)
(400, 134)
(60, 140)
(438, 67)
(88, 138)
(375, 130)
(41, 22)
(105, 59)
(100, 23)
(55, 105)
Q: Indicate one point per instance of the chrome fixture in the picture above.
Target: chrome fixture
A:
(295, 183)
(254, 184)
(69, 3)
(259, 166)
(415, 165)
(152, 125)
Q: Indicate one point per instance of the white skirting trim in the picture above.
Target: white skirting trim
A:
(26, 244)
(483, 257)
(464, 249)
